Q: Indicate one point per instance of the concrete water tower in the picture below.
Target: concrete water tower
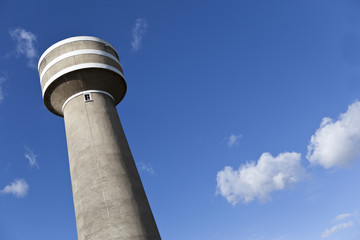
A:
(82, 80)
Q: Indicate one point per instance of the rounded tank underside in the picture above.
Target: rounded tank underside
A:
(82, 80)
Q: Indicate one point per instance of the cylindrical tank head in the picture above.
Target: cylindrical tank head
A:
(77, 65)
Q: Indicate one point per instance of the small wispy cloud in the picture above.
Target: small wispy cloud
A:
(341, 226)
(2, 80)
(30, 155)
(8, 166)
(146, 168)
(343, 216)
(233, 140)
(257, 180)
(19, 188)
(337, 143)
(351, 218)
(25, 45)
(138, 32)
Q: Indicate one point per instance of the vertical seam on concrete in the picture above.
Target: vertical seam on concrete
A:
(97, 164)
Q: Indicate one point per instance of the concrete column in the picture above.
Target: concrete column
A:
(109, 199)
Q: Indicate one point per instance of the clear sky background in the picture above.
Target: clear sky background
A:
(242, 116)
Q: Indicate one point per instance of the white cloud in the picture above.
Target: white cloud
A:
(146, 168)
(257, 180)
(337, 143)
(25, 44)
(336, 228)
(29, 155)
(233, 140)
(138, 32)
(19, 188)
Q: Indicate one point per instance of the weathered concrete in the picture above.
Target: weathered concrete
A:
(110, 202)
(109, 199)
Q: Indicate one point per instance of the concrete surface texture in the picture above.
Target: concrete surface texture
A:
(82, 80)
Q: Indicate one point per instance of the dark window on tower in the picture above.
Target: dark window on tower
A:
(87, 97)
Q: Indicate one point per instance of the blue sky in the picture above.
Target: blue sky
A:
(242, 116)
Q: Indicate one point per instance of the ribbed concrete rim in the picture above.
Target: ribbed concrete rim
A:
(78, 67)
(73, 39)
(75, 53)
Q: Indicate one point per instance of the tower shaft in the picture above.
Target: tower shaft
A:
(109, 199)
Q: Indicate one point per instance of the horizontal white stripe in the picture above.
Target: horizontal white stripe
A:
(84, 92)
(73, 39)
(74, 53)
(77, 67)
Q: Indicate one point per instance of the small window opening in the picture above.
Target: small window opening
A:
(87, 97)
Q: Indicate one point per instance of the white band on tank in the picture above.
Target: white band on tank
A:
(77, 67)
(73, 39)
(74, 53)
(84, 92)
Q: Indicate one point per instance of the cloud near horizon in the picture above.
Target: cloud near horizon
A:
(19, 188)
(138, 32)
(25, 45)
(337, 143)
(257, 180)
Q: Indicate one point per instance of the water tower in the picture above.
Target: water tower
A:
(82, 80)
